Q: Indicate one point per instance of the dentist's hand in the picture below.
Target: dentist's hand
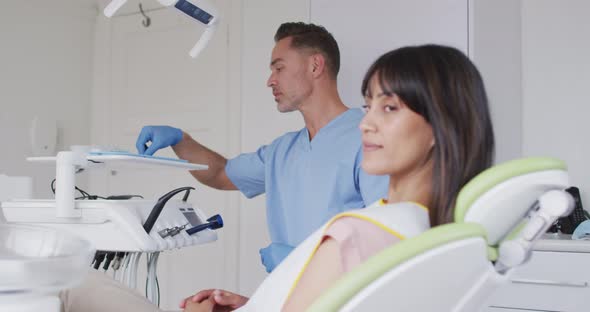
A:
(160, 136)
(273, 255)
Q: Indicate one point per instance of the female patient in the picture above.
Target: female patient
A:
(427, 125)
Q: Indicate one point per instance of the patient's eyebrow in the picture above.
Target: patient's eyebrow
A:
(369, 94)
(384, 94)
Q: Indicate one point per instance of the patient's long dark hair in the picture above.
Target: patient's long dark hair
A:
(443, 86)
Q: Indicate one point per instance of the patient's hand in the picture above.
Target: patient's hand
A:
(224, 300)
(207, 305)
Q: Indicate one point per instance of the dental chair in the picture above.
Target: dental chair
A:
(453, 267)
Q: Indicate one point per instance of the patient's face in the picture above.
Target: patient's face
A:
(396, 140)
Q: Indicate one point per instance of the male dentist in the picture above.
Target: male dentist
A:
(308, 175)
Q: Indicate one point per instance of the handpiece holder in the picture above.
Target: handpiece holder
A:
(155, 213)
(200, 10)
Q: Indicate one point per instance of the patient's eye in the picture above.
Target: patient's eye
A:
(390, 108)
(366, 107)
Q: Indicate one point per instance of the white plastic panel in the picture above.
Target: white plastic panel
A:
(130, 162)
(550, 281)
(500, 209)
(15, 187)
(113, 225)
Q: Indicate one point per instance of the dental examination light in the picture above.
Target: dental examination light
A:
(201, 10)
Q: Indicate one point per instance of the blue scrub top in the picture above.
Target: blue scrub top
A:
(306, 183)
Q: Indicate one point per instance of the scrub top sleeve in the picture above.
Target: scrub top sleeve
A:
(371, 187)
(246, 171)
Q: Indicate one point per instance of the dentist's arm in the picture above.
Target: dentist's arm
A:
(194, 152)
(186, 148)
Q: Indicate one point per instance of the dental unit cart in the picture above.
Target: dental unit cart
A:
(120, 230)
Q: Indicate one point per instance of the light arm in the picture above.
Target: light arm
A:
(113, 7)
(203, 41)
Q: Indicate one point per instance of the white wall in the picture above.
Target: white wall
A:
(46, 69)
(556, 79)
(394, 24)
(495, 48)
(535, 67)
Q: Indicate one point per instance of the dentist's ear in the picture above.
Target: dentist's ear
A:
(318, 64)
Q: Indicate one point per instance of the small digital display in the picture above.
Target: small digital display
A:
(194, 11)
(191, 216)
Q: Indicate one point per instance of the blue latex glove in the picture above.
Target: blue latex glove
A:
(582, 231)
(160, 136)
(273, 255)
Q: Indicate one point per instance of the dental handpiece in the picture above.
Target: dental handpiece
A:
(213, 223)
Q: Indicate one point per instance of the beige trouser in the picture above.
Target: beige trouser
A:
(100, 293)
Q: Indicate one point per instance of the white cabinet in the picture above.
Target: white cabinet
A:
(557, 279)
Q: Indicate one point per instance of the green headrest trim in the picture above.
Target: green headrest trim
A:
(493, 253)
(497, 174)
(376, 266)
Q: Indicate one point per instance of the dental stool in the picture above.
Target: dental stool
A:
(455, 267)
(36, 263)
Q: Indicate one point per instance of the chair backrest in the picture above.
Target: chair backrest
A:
(449, 267)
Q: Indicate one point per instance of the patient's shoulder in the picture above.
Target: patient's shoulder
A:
(359, 239)
(404, 219)
(362, 233)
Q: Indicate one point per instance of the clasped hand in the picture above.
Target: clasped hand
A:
(216, 300)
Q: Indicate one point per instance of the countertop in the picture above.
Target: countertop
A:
(562, 243)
